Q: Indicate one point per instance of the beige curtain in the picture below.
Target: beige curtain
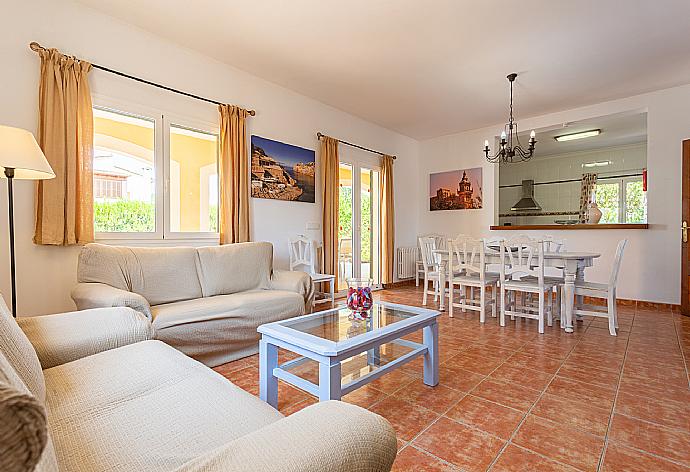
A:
(331, 191)
(387, 220)
(64, 205)
(233, 175)
(587, 185)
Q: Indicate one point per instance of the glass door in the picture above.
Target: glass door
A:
(359, 253)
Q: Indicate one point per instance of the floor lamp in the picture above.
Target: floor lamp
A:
(20, 158)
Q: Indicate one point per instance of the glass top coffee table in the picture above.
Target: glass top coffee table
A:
(338, 354)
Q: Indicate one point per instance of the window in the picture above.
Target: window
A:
(622, 200)
(154, 179)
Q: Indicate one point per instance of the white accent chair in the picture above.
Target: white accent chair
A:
(431, 265)
(599, 290)
(467, 268)
(303, 257)
(440, 244)
(522, 270)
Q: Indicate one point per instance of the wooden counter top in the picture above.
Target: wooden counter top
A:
(555, 227)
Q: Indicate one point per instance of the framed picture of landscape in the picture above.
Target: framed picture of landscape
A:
(456, 190)
(281, 171)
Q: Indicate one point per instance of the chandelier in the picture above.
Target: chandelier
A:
(510, 147)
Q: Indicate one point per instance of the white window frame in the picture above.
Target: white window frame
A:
(161, 236)
(622, 189)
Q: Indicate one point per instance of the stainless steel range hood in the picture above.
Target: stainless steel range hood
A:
(527, 202)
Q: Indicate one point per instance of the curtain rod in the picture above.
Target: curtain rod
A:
(37, 47)
(319, 135)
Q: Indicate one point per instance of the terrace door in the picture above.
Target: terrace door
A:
(359, 251)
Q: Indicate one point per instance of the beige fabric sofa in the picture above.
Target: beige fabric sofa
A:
(207, 302)
(111, 400)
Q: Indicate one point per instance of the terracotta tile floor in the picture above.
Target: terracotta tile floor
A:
(510, 399)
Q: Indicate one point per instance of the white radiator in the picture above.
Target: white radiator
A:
(407, 262)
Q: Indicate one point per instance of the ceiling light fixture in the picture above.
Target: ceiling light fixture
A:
(508, 151)
(597, 164)
(584, 134)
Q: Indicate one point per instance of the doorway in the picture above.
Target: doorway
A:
(359, 250)
(685, 246)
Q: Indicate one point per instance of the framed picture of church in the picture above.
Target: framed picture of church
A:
(456, 190)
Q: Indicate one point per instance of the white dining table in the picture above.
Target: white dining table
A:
(572, 263)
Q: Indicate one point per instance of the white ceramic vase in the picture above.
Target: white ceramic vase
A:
(593, 214)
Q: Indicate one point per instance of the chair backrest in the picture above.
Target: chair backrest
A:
(427, 246)
(522, 256)
(552, 244)
(302, 254)
(467, 254)
(618, 259)
(440, 239)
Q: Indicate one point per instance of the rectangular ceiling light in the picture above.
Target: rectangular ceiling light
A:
(596, 164)
(583, 134)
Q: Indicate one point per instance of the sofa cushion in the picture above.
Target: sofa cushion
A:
(144, 406)
(20, 353)
(220, 329)
(161, 275)
(235, 268)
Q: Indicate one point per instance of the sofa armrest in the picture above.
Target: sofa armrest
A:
(295, 281)
(96, 295)
(331, 436)
(66, 337)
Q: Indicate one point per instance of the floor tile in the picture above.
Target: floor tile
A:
(522, 376)
(507, 394)
(485, 415)
(459, 379)
(591, 375)
(438, 398)
(658, 440)
(392, 381)
(576, 414)
(407, 418)
(462, 446)
(622, 459)
(665, 412)
(595, 395)
(517, 459)
(364, 396)
(556, 441)
(411, 459)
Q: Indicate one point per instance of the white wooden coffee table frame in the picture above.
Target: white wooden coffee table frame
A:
(330, 354)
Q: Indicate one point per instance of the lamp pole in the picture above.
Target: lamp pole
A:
(9, 173)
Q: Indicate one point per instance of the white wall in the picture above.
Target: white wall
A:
(46, 275)
(651, 266)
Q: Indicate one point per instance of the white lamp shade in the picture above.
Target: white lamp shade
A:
(20, 151)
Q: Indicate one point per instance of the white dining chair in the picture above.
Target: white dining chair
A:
(599, 290)
(431, 265)
(522, 270)
(419, 265)
(467, 268)
(303, 257)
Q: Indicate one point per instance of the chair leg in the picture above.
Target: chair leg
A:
(482, 304)
(451, 286)
(561, 297)
(494, 295)
(549, 320)
(611, 309)
(426, 289)
(541, 312)
(416, 276)
(615, 309)
(502, 321)
(463, 291)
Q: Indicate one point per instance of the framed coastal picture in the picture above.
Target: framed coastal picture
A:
(456, 190)
(281, 171)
